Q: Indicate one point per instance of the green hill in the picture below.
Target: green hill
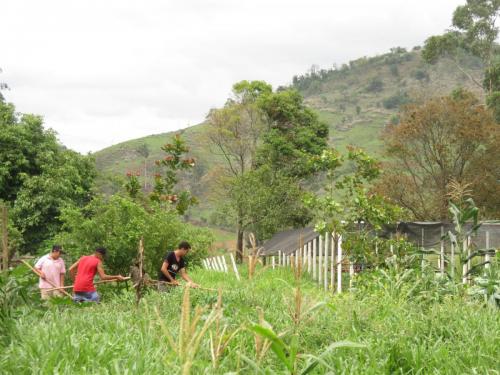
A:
(355, 100)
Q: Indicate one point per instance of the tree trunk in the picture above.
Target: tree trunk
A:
(239, 244)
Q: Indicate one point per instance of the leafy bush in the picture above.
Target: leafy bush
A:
(421, 75)
(375, 85)
(15, 290)
(393, 68)
(396, 100)
(119, 223)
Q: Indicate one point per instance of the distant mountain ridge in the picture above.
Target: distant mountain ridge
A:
(356, 100)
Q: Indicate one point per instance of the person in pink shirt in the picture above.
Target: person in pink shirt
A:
(51, 269)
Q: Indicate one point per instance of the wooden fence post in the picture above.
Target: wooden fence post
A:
(314, 249)
(309, 257)
(422, 261)
(487, 245)
(441, 264)
(332, 261)
(339, 266)
(320, 260)
(5, 238)
(235, 269)
(325, 267)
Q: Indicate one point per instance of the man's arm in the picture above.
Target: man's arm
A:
(72, 269)
(164, 270)
(186, 277)
(62, 279)
(103, 275)
(38, 268)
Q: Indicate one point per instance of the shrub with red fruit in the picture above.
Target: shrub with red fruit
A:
(165, 183)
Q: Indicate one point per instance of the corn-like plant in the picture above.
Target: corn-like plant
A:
(465, 216)
(253, 259)
(219, 337)
(191, 332)
(262, 344)
(288, 354)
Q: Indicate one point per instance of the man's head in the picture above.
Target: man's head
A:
(56, 251)
(100, 252)
(183, 248)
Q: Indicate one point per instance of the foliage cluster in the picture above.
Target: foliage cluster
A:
(443, 139)
(38, 176)
(118, 223)
(266, 138)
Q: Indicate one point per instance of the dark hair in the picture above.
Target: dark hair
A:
(184, 245)
(101, 250)
(56, 248)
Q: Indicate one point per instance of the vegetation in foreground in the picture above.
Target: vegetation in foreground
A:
(393, 322)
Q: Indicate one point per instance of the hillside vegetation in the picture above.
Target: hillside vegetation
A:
(355, 100)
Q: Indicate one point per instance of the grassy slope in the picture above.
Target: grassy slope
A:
(334, 97)
(405, 330)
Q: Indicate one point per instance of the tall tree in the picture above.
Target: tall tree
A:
(294, 134)
(442, 140)
(266, 139)
(234, 133)
(38, 176)
(474, 30)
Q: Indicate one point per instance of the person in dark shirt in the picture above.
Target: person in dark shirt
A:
(174, 264)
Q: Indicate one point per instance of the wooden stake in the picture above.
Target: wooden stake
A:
(309, 257)
(314, 249)
(332, 262)
(320, 260)
(339, 266)
(224, 263)
(441, 259)
(235, 269)
(96, 283)
(487, 245)
(38, 274)
(325, 266)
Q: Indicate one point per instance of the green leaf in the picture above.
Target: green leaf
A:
(317, 360)
(277, 345)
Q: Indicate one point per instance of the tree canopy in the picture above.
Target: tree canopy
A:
(38, 176)
(442, 140)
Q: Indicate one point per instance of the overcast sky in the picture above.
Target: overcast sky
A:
(102, 72)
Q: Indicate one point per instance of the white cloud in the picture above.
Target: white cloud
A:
(102, 72)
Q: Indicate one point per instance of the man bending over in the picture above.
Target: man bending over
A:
(85, 269)
(174, 264)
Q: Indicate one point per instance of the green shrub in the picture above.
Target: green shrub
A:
(375, 85)
(119, 223)
(396, 100)
(421, 75)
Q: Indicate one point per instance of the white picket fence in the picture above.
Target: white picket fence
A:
(219, 264)
(322, 258)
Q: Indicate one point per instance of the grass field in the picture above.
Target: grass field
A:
(392, 324)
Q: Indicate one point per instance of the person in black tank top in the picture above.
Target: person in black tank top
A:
(174, 264)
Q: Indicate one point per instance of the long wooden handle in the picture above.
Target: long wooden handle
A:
(171, 284)
(38, 274)
(97, 282)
